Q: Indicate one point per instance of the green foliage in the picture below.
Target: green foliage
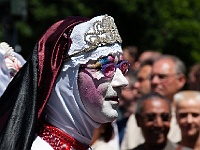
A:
(170, 26)
(24, 29)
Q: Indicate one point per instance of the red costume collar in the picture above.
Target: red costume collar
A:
(58, 139)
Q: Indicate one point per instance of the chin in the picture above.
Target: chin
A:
(161, 141)
(160, 145)
(112, 116)
(192, 133)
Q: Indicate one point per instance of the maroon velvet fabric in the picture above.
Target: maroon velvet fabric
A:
(51, 49)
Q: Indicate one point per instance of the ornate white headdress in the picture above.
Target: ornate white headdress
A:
(93, 38)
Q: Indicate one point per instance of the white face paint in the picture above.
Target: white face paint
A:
(98, 75)
(99, 94)
(118, 79)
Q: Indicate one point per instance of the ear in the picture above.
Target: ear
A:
(181, 80)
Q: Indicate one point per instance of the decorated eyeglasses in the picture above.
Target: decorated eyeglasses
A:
(109, 69)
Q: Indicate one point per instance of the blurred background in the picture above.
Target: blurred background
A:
(168, 26)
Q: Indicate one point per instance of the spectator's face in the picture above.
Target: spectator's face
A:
(128, 57)
(165, 80)
(128, 92)
(143, 83)
(155, 121)
(128, 98)
(191, 80)
(194, 79)
(188, 117)
(100, 94)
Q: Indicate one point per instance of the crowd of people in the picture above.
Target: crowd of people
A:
(81, 90)
(158, 125)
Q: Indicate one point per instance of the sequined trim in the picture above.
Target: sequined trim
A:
(58, 139)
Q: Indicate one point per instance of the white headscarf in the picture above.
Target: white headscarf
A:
(65, 109)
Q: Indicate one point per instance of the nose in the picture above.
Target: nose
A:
(189, 118)
(136, 85)
(158, 121)
(119, 80)
(154, 80)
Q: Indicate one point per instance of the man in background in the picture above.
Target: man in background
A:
(167, 78)
(153, 115)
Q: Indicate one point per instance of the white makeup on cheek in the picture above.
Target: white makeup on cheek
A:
(98, 75)
(119, 79)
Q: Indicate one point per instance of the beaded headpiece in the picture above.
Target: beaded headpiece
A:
(97, 33)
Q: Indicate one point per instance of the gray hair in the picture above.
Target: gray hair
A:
(180, 67)
(150, 96)
(186, 95)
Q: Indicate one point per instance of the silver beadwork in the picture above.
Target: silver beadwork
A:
(104, 32)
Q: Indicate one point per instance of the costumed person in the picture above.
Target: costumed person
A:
(13, 60)
(10, 64)
(69, 86)
(4, 74)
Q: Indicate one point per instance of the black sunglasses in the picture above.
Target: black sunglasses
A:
(152, 116)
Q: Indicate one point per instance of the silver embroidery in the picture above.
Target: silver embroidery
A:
(104, 32)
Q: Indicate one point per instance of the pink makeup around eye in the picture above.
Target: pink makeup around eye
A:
(121, 57)
(115, 58)
(111, 58)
